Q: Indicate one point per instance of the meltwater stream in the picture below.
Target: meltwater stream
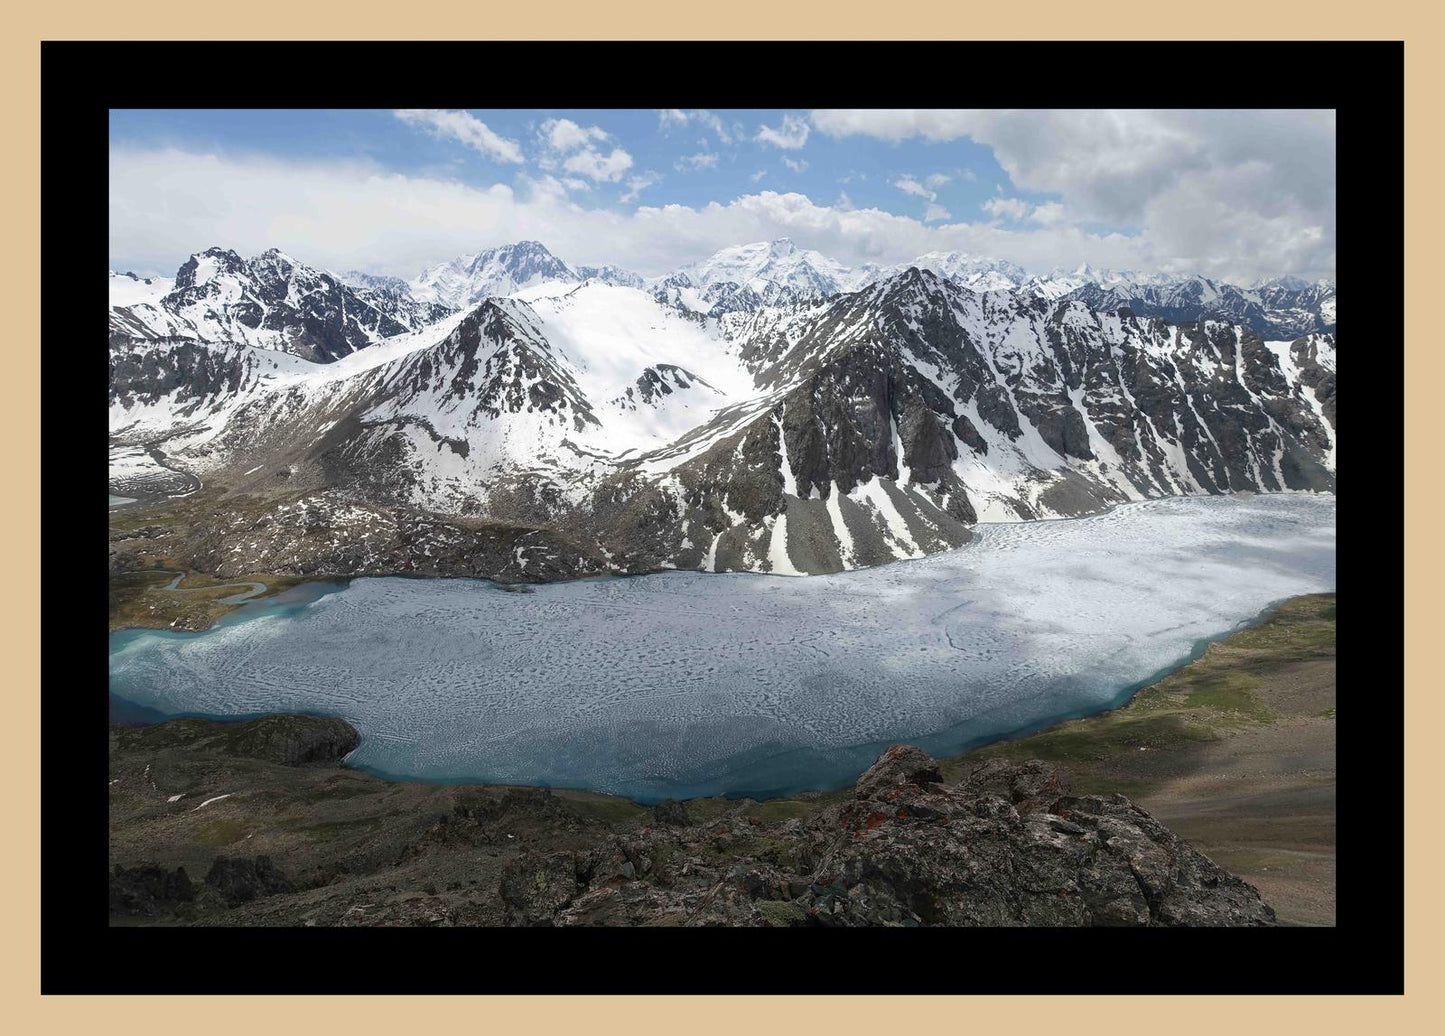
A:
(683, 683)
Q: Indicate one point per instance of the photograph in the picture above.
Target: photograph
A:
(721, 517)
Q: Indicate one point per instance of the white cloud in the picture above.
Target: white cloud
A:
(168, 203)
(799, 166)
(908, 185)
(676, 118)
(758, 175)
(573, 184)
(602, 168)
(701, 160)
(637, 184)
(790, 135)
(566, 135)
(464, 127)
(1228, 193)
(933, 212)
(571, 147)
(1048, 213)
(1006, 208)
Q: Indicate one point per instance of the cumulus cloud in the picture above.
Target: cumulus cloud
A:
(797, 166)
(791, 133)
(168, 203)
(603, 168)
(935, 212)
(1235, 194)
(463, 127)
(572, 148)
(566, 135)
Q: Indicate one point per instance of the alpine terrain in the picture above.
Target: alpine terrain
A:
(768, 409)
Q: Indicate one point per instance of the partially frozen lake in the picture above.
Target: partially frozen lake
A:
(682, 683)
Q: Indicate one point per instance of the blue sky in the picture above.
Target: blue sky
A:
(1230, 194)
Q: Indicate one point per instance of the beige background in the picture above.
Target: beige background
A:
(25, 25)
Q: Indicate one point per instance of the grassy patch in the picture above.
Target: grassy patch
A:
(780, 913)
(610, 809)
(329, 831)
(218, 833)
(138, 600)
(1214, 696)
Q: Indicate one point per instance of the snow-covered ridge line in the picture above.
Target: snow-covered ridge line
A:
(813, 435)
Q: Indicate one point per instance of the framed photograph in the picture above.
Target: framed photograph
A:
(737, 506)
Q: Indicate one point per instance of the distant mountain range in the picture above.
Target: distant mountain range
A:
(766, 409)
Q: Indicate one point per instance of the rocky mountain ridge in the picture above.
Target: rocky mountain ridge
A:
(629, 435)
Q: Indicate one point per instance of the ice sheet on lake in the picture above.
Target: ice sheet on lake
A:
(689, 683)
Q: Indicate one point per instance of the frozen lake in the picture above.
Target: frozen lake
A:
(682, 683)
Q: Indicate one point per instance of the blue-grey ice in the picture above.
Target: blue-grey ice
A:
(684, 683)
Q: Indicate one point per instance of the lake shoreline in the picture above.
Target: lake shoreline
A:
(685, 685)
(444, 849)
(521, 586)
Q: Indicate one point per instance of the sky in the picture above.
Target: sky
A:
(1235, 195)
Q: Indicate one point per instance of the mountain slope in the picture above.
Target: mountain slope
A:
(271, 302)
(629, 435)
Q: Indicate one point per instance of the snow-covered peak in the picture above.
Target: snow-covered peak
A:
(466, 280)
(978, 273)
(767, 266)
(131, 289)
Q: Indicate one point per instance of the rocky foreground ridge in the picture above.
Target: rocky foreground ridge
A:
(307, 842)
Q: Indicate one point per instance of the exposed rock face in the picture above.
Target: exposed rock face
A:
(149, 889)
(242, 880)
(274, 302)
(284, 738)
(1006, 846)
(295, 740)
(854, 430)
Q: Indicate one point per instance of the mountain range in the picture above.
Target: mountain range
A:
(767, 409)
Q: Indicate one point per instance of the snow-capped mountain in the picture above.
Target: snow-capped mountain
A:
(269, 301)
(506, 270)
(590, 427)
(1276, 310)
(970, 271)
(748, 277)
(129, 289)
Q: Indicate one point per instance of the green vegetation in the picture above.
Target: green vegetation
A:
(218, 833)
(1212, 697)
(138, 600)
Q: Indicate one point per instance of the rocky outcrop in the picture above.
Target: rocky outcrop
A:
(149, 889)
(294, 740)
(239, 881)
(286, 738)
(1008, 845)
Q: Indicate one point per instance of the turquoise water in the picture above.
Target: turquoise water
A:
(682, 683)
